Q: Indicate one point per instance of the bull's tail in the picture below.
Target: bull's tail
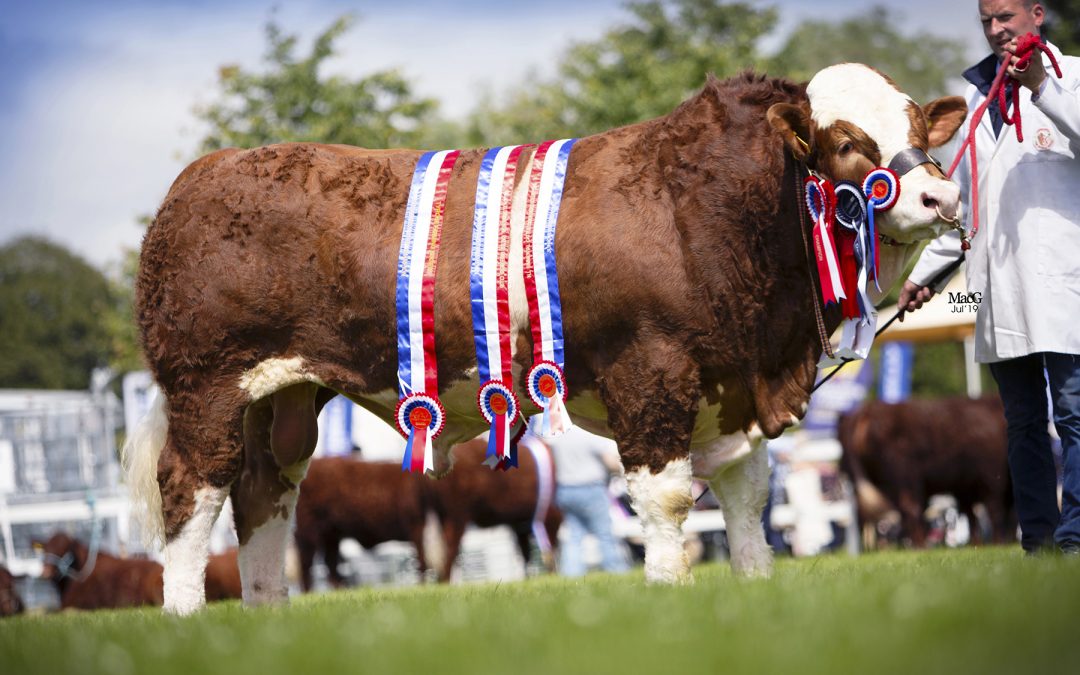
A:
(140, 460)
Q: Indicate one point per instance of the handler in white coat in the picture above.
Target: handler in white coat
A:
(1025, 263)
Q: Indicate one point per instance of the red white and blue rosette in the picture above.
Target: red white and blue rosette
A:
(852, 215)
(882, 188)
(821, 203)
(500, 408)
(420, 418)
(546, 385)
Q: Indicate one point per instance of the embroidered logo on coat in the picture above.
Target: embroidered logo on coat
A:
(1044, 139)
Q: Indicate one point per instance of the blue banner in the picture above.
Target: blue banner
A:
(894, 384)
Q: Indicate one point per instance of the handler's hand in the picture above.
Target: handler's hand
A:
(1031, 77)
(912, 297)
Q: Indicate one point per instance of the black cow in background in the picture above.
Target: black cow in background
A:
(913, 450)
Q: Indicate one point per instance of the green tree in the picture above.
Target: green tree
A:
(124, 348)
(635, 71)
(54, 314)
(920, 64)
(291, 101)
(1063, 25)
(646, 67)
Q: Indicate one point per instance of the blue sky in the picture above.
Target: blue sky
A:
(96, 95)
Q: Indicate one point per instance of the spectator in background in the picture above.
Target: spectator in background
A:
(583, 464)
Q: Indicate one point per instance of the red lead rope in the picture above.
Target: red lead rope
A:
(1025, 49)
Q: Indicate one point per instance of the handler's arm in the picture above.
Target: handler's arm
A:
(1060, 101)
(935, 259)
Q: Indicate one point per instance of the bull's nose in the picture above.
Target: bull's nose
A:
(945, 203)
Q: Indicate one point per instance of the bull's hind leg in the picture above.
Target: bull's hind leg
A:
(740, 480)
(280, 433)
(200, 459)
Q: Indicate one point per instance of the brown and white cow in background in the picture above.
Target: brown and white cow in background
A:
(268, 278)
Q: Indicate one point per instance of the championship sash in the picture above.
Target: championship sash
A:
(546, 382)
(489, 292)
(419, 415)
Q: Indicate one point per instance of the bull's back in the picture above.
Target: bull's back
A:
(260, 245)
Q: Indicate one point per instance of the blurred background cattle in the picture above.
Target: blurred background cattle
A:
(900, 455)
(10, 602)
(375, 502)
(371, 502)
(89, 578)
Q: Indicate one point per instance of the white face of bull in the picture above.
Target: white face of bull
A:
(858, 120)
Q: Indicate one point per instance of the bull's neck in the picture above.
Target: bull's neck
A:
(892, 261)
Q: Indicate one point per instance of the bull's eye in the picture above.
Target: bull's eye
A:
(845, 148)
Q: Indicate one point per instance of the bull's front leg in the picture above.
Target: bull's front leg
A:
(652, 403)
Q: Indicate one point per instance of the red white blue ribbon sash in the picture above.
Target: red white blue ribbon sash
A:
(546, 382)
(420, 416)
(489, 290)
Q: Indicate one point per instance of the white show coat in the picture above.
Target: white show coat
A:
(1025, 259)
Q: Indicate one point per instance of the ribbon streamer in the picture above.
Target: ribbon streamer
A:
(419, 414)
(821, 202)
(489, 291)
(546, 382)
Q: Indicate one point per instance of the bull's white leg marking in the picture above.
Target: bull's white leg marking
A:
(742, 489)
(186, 555)
(275, 374)
(662, 502)
(262, 557)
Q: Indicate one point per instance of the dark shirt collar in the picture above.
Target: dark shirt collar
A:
(982, 74)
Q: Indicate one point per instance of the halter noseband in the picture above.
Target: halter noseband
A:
(909, 158)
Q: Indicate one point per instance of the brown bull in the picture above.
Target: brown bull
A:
(374, 502)
(98, 580)
(910, 451)
(371, 502)
(471, 493)
(267, 281)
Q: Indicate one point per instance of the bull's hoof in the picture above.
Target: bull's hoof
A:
(258, 597)
(185, 608)
(748, 563)
(673, 570)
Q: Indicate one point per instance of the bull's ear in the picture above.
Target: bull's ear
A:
(792, 122)
(943, 117)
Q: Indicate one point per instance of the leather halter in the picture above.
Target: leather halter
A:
(909, 158)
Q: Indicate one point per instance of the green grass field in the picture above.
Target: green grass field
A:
(965, 611)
